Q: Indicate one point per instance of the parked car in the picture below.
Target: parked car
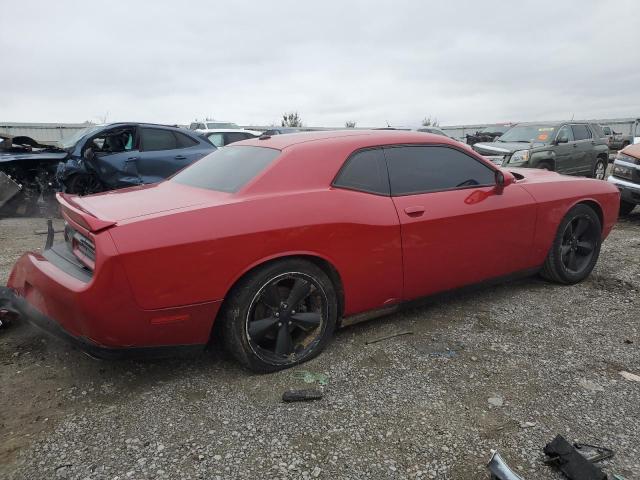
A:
(211, 125)
(572, 148)
(488, 134)
(616, 140)
(105, 157)
(273, 242)
(626, 176)
(224, 136)
(28, 171)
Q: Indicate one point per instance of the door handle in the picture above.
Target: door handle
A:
(180, 157)
(415, 211)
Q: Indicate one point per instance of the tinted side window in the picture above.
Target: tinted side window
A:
(184, 141)
(427, 169)
(607, 130)
(154, 139)
(581, 132)
(365, 171)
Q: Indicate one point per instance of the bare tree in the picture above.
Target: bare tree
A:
(428, 122)
(350, 124)
(291, 119)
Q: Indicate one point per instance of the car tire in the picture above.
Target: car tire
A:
(545, 166)
(599, 169)
(263, 332)
(575, 248)
(83, 184)
(626, 207)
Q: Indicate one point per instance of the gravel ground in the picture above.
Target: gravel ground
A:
(478, 366)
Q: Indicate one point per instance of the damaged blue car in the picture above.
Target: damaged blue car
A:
(121, 155)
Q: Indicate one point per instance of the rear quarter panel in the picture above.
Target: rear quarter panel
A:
(196, 256)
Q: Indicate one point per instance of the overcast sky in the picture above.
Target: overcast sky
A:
(368, 61)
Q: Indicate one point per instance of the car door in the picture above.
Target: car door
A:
(161, 154)
(564, 149)
(585, 153)
(456, 229)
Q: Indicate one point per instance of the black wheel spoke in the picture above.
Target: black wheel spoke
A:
(573, 260)
(306, 319)
(259, 328)
(585, 248)
(301, 290)
(271, 296)
(283, 342)
(564, 250)
(581, 227)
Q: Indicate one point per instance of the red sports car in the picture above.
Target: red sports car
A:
(275, 241)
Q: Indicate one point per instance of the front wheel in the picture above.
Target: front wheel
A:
(599, 169)
(282, 314)
(576, 247)
(84, 184)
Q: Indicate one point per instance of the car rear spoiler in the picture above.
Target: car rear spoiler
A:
(77, 214)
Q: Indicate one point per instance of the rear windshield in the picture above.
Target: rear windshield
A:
(227, 169)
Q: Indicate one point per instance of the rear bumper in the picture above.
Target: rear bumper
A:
(629, 191)
(99, 313)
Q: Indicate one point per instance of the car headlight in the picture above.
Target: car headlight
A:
(519, 157)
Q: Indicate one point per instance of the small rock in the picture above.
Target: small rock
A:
(496, 401)
(527, 424)
(630, 376)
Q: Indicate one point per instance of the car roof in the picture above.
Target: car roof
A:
(143, 124)
(553, 124)
(360, 138)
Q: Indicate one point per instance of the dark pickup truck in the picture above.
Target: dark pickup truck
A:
(572, 148)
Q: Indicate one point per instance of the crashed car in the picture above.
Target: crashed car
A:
(487, 134)
(27, 173)
(272, 242)
(106, 157)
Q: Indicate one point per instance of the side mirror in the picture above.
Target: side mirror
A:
(503, 180)
(562, 140)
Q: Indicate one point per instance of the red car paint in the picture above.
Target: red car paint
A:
(168, 254)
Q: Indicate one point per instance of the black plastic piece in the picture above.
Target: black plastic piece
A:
(301, 395)
(566, 458)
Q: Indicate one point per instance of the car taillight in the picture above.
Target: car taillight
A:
(84, 249)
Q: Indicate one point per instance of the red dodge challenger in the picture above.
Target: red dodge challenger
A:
(275, 241)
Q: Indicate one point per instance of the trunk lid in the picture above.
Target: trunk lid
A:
(102, 210)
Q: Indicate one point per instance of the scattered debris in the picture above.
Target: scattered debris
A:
(446, 354)
(8, 188)
(628, 341)
(527, 424)
(310, 377)
(589, 385)
(618, 477)
(566, 458)
(496, 401)
(369, 342)
(44, 232)
(302, 395)
(630, 376)
(499, 469)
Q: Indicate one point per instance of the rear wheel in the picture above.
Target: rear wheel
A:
(576, 247)
(84, 184)
(599, 169)
(626, 207)
(279, 316)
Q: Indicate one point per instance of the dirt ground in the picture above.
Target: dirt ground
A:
(506, 367)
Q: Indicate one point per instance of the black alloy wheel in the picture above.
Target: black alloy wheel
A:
(84, 184)
(575, 248)
(282, 314)
(286, 318)
(578, 243)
